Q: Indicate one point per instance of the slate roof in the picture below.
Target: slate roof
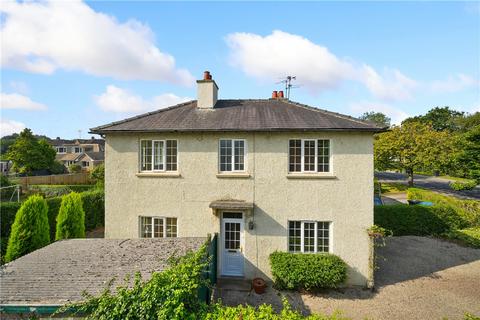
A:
(58, 273)
(96, 156)
(239, 115)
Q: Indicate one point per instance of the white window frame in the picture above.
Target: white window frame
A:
(152, 218)
(164, 157)
(79, 148)
(233, 155)
(61, 152)
(302, 156)
(302, 235)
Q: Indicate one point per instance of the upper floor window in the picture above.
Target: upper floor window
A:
(158, 155)
(158, 227)
(78, 150)
(61, 150)
(232, 155)
(309, 155)
(309, 236)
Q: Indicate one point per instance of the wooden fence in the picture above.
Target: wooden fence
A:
(74, 178)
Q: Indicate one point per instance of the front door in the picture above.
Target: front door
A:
(232, 244)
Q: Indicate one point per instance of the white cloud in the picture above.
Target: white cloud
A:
(116, 99)
(281, 53)
(18, 101)
(392, 112)
(41, 37)
(19, 86)
(391, 87)
(455, 83)
(10, 126)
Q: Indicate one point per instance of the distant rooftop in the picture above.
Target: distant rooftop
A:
(239, 115)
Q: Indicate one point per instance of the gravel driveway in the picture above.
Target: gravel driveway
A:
(428, 182)
(419, 278)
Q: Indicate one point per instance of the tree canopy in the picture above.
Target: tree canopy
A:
(29, 153)
(378, 118)
(441, 118)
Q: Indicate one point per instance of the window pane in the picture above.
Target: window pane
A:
(309, 237)
(158, 155)
(294, 236)
(309, 155)
(239, 155)
(323, 236)
(323, 155)
(171, 227)
(158, 227)
(225, 155)
(146, 155)
(171, 155)
(232, 235)
(146, 227)
(295, 156)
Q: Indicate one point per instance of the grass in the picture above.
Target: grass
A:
(459, 179)
(469, 236)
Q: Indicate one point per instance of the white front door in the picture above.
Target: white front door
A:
(232, 244)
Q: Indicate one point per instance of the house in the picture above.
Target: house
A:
(88, 153)
(265, 174)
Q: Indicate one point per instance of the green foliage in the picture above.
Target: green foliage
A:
(171, 294)
(71, 218)
(469, 157)
(405, 220)
(8, 211)
(393, 187)
(264, 311)
(378, 231)
(53, 190)
(97, 175)
(467, 210)
(74, 168)
(414, 145)
(30, 230)
(307, 271)
(94, 207)
(5, 194)
(441, 119)
(28, 153)
(469, 236)
(378, 118)
(57, 167)
(459, 186)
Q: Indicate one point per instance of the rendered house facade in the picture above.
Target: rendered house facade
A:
(88, 153)
(265, 175)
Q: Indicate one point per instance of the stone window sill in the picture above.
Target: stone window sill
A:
(239, 175)
(173, 174)
(310, 176)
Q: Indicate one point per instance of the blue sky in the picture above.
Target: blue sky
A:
(72, 66)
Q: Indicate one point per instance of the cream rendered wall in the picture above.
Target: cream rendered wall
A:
(346, 200)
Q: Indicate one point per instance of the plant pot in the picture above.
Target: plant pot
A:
(259, 285)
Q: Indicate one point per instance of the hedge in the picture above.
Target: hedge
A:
(469, 236)
(405, 220)
(93, 205)
(307, 271)
(58, 190)
(71, 218)
(467, 210)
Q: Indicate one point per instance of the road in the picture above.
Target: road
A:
(429, 182)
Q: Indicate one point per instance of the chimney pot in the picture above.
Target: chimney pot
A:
(274, 94)
(207, 75)
(280, 94)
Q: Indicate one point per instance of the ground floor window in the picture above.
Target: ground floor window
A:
(158, 227)
(309, 236)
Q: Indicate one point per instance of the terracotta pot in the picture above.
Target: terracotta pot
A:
(259, 285)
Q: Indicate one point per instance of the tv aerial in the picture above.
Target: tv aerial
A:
(288, 84)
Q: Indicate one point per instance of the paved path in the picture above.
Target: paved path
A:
(429, 182)
(418, 278)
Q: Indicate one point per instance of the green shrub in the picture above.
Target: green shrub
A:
(97, 175)
(74, 168)
(469, 236)
(71, 218)
(53, 208)
(307, 271)
(459, 186)
(468, 210)
(30, 230)
(94, 207)
(405, 220)
(55, 190)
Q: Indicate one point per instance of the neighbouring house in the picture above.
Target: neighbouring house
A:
(5, 166)
(88, 153)
(265, 174)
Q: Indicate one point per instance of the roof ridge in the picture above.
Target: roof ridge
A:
(142, 115)
(335, 114)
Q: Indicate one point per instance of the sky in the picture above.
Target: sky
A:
(70, 66)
